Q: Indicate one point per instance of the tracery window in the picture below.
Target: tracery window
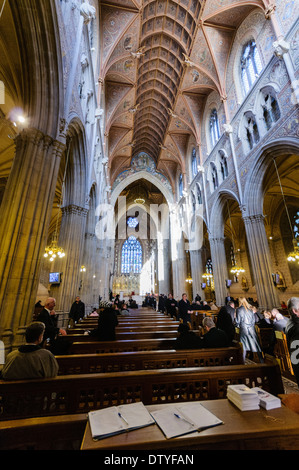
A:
(214, 175)
(131, 256)
(251, 65)
(194, 162)
(271, 111)
(223, 165)
(199, 194)
(252, 132)
(214, 127)
(132, 222)
(209, 266)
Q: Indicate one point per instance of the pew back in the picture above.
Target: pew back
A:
(83, 393)
(128, 361)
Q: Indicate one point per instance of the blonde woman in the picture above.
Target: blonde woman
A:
(245, 321)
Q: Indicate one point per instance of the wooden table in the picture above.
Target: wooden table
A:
(247, 430)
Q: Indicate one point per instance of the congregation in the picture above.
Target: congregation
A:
(36, 358)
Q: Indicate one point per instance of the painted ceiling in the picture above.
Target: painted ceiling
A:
(160, 60)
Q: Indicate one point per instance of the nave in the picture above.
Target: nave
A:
(51, 414)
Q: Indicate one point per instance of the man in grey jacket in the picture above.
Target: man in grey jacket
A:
(30, 361)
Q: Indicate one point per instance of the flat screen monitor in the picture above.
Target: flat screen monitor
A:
(203, 285)
(228, 282)
(54, 278)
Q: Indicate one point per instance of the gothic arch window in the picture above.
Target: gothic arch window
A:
(271, 111)
(131, 256)
(199, 194)
(223, 164)
(181, 185)
(214, 176)
(252, 132)
(193, 198)
(251, 65)
(214, 127)
(194, 162)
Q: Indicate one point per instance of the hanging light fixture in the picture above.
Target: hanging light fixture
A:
(236, 270)
(53, 251)
(293, 256)
(189, 280)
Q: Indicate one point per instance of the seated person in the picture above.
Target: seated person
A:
(213, 337)
(266, 321)
(196, 305)
(30, 361)
(279, 321)
(106, 325)
(213, 306)
(94, 313)
(124, 310)
(187, 339)
(205, 306)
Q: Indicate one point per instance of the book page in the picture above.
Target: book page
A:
(135, 414)
(170, 424)
(201, 416)
(105, 421)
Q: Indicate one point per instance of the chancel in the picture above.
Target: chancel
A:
(149, 150)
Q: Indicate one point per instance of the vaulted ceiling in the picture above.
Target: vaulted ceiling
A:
(160, 60)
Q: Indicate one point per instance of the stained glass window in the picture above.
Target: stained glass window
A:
(131, 256)
(132, 222)
(251, 65)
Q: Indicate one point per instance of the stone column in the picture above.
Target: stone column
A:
(25, 214)
(71, 239)
(219, 269)
(197, 270)
(261, 261)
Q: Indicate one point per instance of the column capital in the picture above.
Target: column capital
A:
(253, 219)
(74, 209)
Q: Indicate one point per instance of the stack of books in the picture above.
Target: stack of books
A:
(246, 398)
(243, 397)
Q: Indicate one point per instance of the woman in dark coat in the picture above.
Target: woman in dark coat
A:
(106, 325)
(245, 321)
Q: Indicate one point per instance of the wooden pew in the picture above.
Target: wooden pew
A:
(126, 329)
(73, 394)
(100, 347)
(281, 353)
(198, 315)
(125, 335)
(147, 360)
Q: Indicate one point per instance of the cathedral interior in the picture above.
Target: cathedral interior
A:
(147, 146)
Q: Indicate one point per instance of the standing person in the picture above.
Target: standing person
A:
(77, 310)
(292, 334)
(171, 305)
(48, 317)
(31, 361)
(225, 321)
(245, 320)
(185, 309)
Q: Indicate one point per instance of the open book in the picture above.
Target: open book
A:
(178, 420)
(117, 419)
